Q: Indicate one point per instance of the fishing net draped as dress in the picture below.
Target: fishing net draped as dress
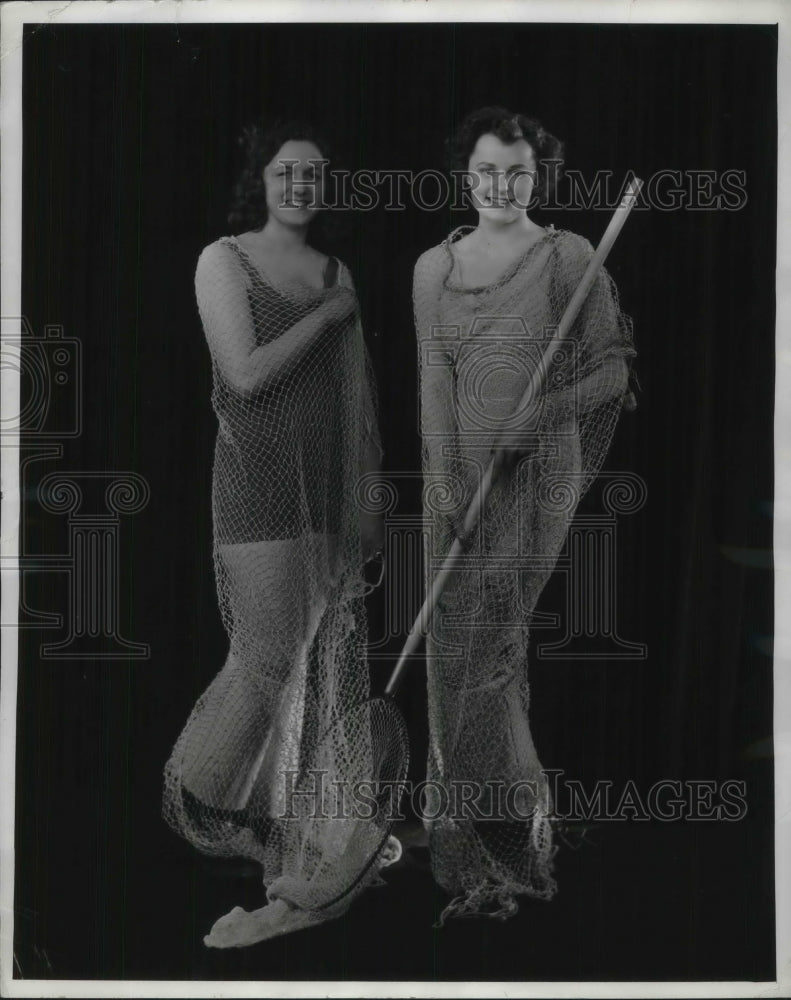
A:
(265, 762)
(490, 822)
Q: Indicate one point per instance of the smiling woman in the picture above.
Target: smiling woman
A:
(294, 401)
(494, 144)
(487, 300)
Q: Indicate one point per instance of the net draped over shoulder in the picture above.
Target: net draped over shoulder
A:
(295, 404)
(479, 347)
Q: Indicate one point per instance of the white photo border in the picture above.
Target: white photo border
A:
(14, 17)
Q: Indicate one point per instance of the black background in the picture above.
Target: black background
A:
(129, 156)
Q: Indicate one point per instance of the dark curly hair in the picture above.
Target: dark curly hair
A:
(260, 141)
(509, 127)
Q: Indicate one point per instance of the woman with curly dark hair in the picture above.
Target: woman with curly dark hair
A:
(294, 400)
(487, 301)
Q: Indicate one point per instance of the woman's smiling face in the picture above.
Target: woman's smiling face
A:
(502, 177)
(293, 181)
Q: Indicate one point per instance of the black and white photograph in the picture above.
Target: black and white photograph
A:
(395, 503)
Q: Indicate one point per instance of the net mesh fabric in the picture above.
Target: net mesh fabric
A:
(271, 752)
(490, 830)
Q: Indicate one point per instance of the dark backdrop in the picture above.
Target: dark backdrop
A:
(129, 155)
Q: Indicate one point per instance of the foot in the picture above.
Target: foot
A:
(391, 852)
(240, 928)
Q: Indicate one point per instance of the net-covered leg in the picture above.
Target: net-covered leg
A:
(244, 732)
(493, 840)
(296, 429)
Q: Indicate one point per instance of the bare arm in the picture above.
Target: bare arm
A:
(224, 307)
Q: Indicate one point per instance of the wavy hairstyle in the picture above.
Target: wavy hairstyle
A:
(509, 127)
(259, 142)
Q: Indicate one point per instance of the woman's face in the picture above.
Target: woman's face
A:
(293, 181)
(501, 177)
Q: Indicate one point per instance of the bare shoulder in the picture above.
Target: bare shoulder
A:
(344, 277)
(217, 259)
(218, 252)
(317, 266)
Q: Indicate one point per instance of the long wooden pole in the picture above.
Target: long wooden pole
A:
(423, 620)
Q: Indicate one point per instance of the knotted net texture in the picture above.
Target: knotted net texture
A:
(274, 748)
(491, 838)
